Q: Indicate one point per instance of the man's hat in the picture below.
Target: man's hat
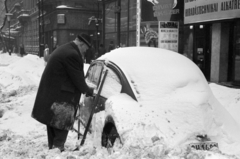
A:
(85, 38)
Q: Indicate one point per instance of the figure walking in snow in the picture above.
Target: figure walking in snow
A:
(60, 88)
(46, 54)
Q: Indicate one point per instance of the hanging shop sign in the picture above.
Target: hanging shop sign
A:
(161, 10)
(201, 10)
(168, 35)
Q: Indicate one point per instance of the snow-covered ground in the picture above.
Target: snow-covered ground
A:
(23, 137)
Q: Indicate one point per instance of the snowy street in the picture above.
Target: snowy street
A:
(23, 137)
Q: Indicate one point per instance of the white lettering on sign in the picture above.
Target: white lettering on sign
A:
(230, 5)
(202, 9)
(206, 10)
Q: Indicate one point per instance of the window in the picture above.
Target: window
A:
(93, 75)
(237, 52)
(112, 85)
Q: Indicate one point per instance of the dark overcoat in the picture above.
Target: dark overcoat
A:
(62, 81)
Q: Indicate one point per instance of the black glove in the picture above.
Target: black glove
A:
(90, 92)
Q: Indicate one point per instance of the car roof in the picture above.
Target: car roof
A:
(153, 70)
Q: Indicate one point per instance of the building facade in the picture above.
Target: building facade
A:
(64, 20)
(119, 18)
(212, 38)
(35, 23)
(207, 32)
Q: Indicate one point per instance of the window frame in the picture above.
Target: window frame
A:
(100, 74)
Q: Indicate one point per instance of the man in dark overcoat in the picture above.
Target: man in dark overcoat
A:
(61, 86)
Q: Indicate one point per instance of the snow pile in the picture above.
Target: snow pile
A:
(20, 72)
(231, 100)
(6, 59)
(23, 137)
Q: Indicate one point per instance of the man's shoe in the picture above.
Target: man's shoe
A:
(61, 148)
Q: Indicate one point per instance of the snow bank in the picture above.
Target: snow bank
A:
(21, 72)
(6, 59)
(230, 99)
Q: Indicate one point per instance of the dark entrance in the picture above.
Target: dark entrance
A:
(202, 48)
(235, 41)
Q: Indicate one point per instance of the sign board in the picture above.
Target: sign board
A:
(168, 35)
(205, 10)
(168, 10)
(61, 18)
(149, 34)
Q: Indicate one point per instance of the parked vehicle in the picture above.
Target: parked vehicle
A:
(153, 93)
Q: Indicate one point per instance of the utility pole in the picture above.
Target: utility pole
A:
(9, 47)
(97, 26)
(128, 22)
(43, 23)
(118, 12)
(9, 20)
(103, 23)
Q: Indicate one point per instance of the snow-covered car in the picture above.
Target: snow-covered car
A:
(155, 95)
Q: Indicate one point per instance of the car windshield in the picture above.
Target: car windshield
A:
(94, 75)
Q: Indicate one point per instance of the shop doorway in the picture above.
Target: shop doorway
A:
(202, 48)
(236, 53)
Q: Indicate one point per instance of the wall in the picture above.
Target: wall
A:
(220, 48)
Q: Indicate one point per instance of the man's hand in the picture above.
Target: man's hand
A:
(90, 92)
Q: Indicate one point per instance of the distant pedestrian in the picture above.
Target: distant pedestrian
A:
(101, 50)
(90, 55)
(14, 49)
(60, 89)
(152, 41)
(9, 51)
(22, 52)
(46, 54)
(111, 46)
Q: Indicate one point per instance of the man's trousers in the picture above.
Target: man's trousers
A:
(56, 137)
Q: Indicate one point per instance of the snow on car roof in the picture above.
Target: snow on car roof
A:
(156, 72)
